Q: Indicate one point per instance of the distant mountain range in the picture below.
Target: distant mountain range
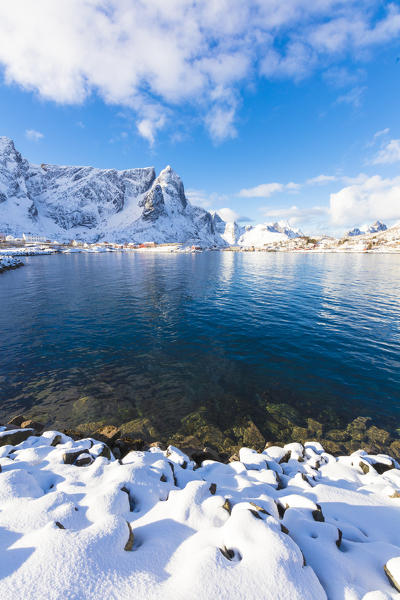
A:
(134, 205)
(91, 204)
(374, 228)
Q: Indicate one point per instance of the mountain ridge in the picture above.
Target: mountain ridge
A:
(91, 204)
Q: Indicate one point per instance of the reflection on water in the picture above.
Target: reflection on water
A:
(121, 336)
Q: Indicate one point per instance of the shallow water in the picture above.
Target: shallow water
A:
(125, 335)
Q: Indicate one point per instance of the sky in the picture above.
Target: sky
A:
(268, 109)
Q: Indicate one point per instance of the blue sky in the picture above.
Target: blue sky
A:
(267, 109)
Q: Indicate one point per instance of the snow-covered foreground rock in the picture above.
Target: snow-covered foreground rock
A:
(289, 523)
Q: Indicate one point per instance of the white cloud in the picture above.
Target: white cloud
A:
(198, 198)
(389, 154)
(265, 190)
(321, 179)
(204, 199)
(314, 216)
(228, 215)
(374, 198)
(220, 123)
(33, 135)
(154, 57)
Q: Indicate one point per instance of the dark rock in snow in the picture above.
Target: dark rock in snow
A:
(15, 437)
(129, 544)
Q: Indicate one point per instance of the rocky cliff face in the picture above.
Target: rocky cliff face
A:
(93, 204)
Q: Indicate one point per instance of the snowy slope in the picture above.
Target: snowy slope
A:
(290, 523)
(254, 235)
(93, 204)
(267, 233)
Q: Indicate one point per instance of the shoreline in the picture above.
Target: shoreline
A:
(173, 249)
(199, 436)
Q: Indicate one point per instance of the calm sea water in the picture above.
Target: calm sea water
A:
(120, 336)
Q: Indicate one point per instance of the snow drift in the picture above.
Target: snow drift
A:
(290, 523)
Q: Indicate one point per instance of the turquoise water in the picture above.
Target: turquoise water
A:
(126, 335)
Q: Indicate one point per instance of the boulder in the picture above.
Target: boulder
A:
(17, 420)
(107, 434)
(357, 429)
(126, 444)
(314, 428)
(378, 436)
(31, 424)
(84, 460)
(338, 435)
(70, 457)
(395, 449)
(15, 436)
(252, 437)
(159, 445)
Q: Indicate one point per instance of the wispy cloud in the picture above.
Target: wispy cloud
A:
(388, 154)
(264, 190)
(321, 179)
(353, 97)
(33, 135)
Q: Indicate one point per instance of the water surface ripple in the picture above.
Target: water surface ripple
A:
(120, 336)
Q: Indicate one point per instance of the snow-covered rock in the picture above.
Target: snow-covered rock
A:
(267, 233)
(291, 523)
(90, 204)
(9, 262)
(374, 228)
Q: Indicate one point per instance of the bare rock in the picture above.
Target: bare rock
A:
(70, 457)
(233, 458)
(129, 544)
(31, 424)
(17, 420)
(84, 460)
(15, 437)
(107, 434)
(388, 570)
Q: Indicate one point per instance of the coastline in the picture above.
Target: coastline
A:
(8, 263)
(200, 436)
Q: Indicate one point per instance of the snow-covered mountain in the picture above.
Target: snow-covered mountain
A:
(267, 233)
(254, 235)
(374, 228)
(92, 204)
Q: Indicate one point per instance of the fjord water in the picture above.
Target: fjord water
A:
(117, 336)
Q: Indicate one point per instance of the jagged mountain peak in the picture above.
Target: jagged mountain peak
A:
(374, 228)
(89, 203)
